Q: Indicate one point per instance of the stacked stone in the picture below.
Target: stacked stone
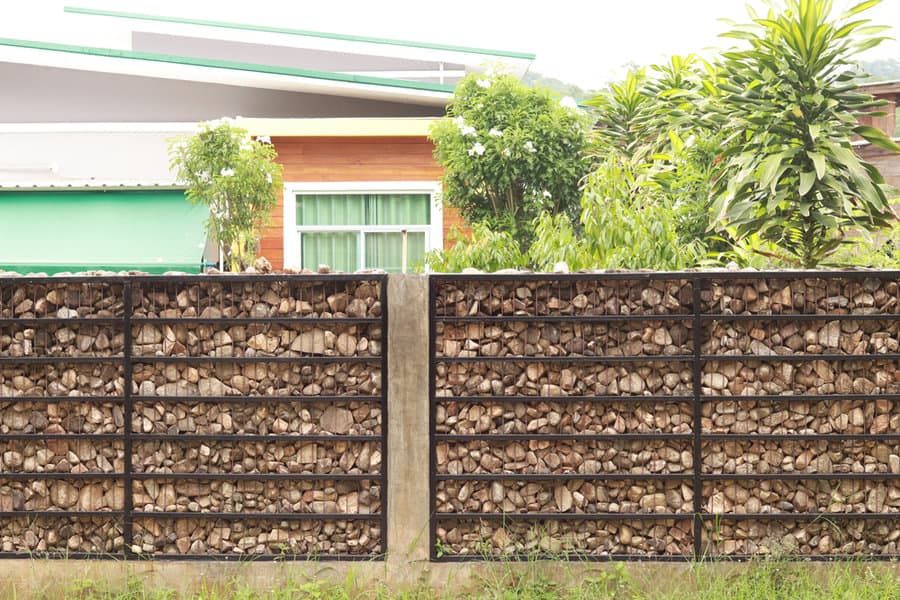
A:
(65, 535)
(258, 418)
(656, 537)
(809, 537)
(249, 536)
(60, 304)
(169, 399)
(646, 335)
(280, 496)
(833, 330)
(275, 456)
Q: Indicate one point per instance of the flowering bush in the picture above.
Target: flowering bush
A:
(236, 177)
(510, 152)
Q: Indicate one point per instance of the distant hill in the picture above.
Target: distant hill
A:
(885, 69)
(561, 87)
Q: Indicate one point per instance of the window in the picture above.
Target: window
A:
(352, 227)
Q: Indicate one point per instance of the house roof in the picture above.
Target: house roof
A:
(252, 55)
(300, 32)
(222, 71)
(881, 88)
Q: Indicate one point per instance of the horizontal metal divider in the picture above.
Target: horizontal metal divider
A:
(63, 476)
(682, 516)
(562, 516)
(100, 360)
(524, 437)
(45, 360)
(150, 437)
(679, 398)
(580, 358)
(252, 399)
(725, 276)
(799, 516)
(293, 360)
(139, 475)
(85, 514)
(261, 516)
(320, 322)
(563, 399)
(839, 437)
(574, 319)
(205, 278)
(585, 556)
(800, 317)
(688, 474)
(565, 477)
(232, 557)
(679, 358)
(668, 317)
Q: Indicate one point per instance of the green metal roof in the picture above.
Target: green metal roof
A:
(298, 32)
(54, 231)
(230, 65)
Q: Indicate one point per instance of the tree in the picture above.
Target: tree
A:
(789, 98)
(236, 177)
(510, 152)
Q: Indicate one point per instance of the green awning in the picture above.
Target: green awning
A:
(112, 230)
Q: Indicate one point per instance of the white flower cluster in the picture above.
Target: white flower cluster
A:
(478, 149)
(227, 173)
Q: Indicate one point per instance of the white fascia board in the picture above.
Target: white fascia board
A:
(90, 184)
(97, 127)
(235, 77)
(518, 66)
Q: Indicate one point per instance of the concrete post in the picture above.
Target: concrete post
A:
(408, 508)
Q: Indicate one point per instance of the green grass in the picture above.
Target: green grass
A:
(764, 579)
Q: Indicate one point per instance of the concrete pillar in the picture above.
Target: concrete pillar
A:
(408, 508)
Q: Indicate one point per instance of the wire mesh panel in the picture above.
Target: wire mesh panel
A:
(212, 417)
(665, 415)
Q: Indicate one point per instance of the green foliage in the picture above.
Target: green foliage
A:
(629, 228)
(486, 249)
(236, 177)
(789, 97)
(510, 152)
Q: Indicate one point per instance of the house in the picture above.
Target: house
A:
(887, 162)
(84, 122)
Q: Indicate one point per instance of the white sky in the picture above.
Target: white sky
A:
(583, 42)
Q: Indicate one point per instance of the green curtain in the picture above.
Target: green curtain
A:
(339, 250)
(382, 250)
(385, 251)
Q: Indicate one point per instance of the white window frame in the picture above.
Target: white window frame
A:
(434, 233)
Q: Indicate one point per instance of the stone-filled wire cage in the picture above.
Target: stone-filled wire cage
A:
(193, 417)
(665, 416)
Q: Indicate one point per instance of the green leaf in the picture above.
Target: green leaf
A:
(876, 137)
(807, 179)
(769, 169)
(819, 163)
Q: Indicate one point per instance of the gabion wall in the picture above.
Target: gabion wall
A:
(192, 416)
(666, 415)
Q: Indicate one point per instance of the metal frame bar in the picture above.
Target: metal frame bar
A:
(128, 436)
(701, 321)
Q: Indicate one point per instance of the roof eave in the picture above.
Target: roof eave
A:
(255, 78)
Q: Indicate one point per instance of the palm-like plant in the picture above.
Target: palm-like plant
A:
(791, 106)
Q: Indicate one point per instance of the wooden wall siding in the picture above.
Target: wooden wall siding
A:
(323, 159)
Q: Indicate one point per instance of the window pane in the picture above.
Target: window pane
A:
(385, 251)
(338, 250)
(331, 209)
(399, 209)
